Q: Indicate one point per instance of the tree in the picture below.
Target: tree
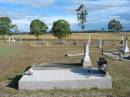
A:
(14, 29)
(115, 25)
(102, 29)
(61, 29)
(5, 26)
(38, 27)
(81, 15)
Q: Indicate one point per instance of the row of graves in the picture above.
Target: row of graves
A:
(13, 40)
(122, 53)
(64, 76)
(98, 43)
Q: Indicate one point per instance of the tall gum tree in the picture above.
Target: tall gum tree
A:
(81, 15)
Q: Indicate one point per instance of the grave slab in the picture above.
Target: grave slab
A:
(65, 78)
(116, 56)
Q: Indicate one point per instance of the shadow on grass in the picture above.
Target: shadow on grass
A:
(14, 82)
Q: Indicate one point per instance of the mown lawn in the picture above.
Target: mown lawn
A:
(16, 57)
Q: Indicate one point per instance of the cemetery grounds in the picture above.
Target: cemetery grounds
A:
(16, 57)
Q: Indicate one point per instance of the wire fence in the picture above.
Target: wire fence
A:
(94, 42)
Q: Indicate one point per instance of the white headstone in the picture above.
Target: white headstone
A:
(126, 48)
(9, 40)
(86, 58)
(21, 41)
(122, 38)
(13, 40)
(100, 43)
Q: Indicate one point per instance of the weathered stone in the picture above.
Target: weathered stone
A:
(74, 78)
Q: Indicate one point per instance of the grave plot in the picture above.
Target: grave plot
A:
(122, 53)
(63, 78)
(66, 77)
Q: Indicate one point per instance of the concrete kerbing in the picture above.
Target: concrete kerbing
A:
(116, 56)
(76, 78)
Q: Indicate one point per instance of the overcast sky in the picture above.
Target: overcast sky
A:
(22, 12)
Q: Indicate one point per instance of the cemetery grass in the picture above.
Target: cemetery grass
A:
(16, 57)
(105, 36)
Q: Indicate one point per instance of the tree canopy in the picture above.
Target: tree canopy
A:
(81, 15)
(115, 25)
(14, 29)
(5, 26)
(61, 29)
(38, 27)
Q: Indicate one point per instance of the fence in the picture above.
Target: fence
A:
(94, 42)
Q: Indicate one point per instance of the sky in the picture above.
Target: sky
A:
(100, 12)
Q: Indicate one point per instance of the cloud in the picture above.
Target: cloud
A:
(24, 23)
(13, 14)
(33, 3)
(99, 5)
(99, 12)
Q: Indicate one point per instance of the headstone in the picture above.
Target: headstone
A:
(21, 41)
(122, 38)
(13, 40)
(86, 58)
(125, 48)
(100, 43)
(9, 40)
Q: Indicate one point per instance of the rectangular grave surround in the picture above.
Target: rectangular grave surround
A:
(65, 78)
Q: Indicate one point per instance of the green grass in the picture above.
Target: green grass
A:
(8, 52)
